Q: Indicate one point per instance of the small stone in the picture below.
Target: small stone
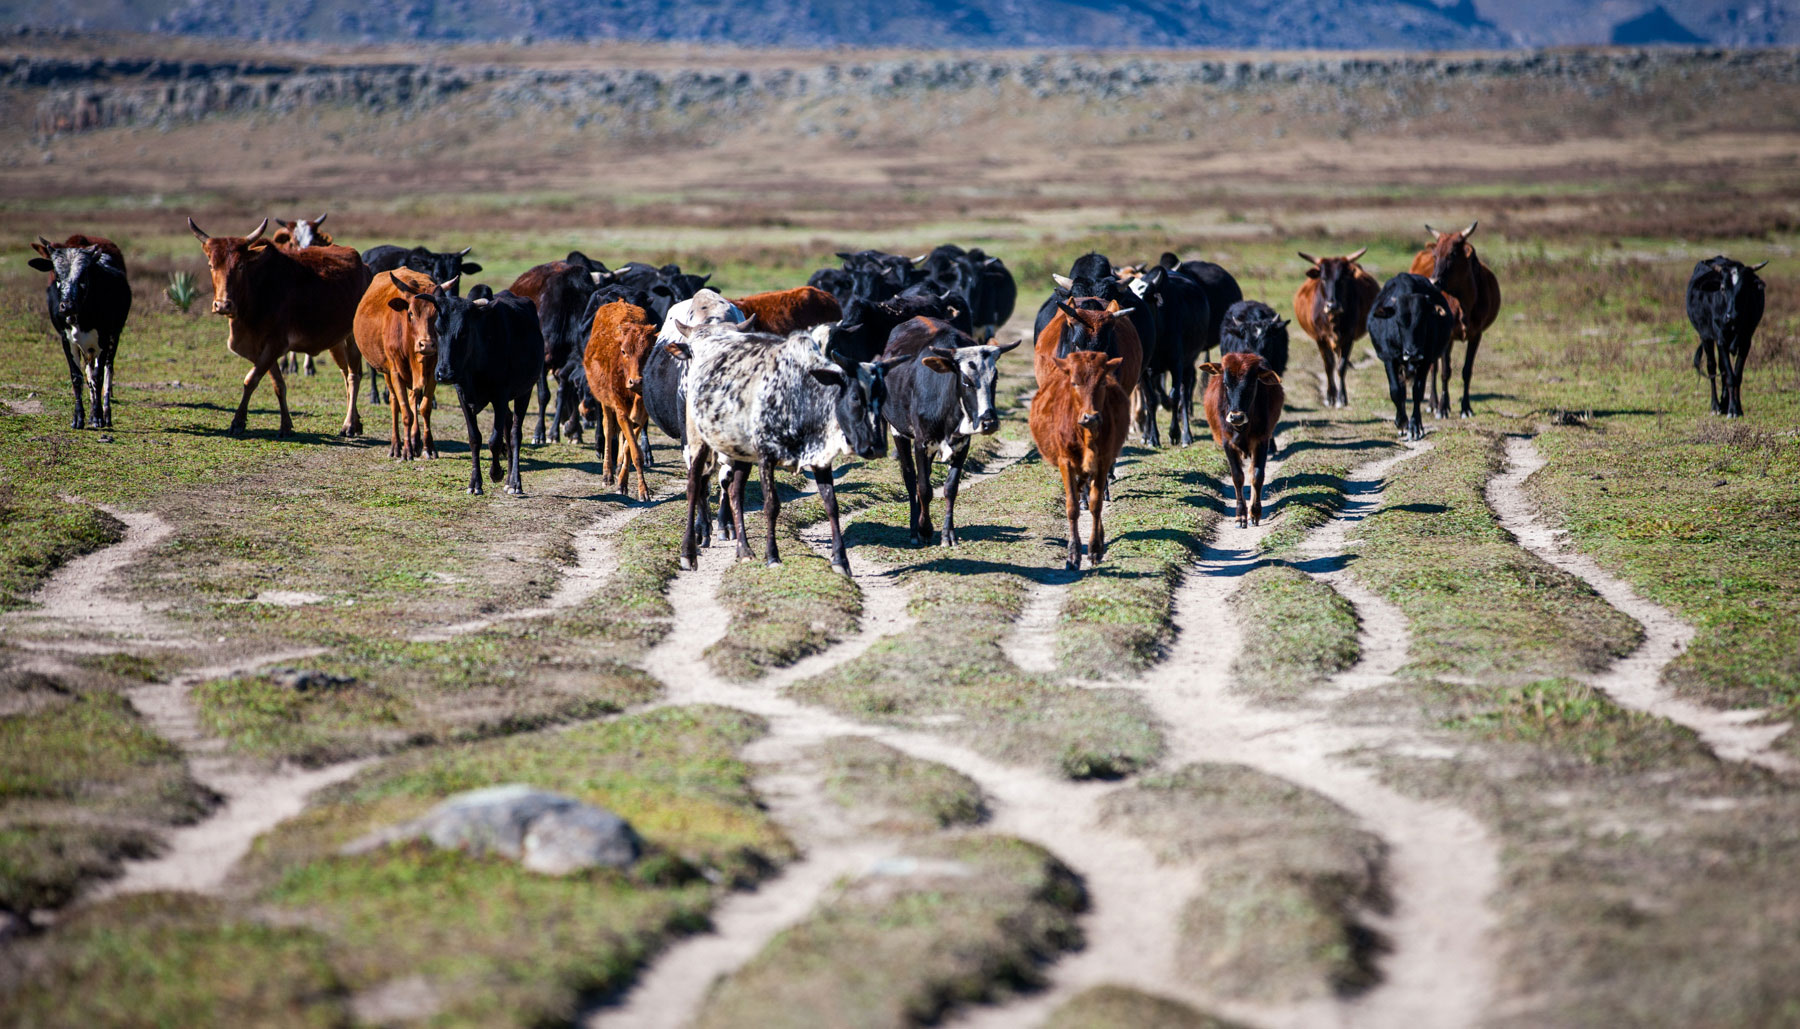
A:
(305, 680)
(545, 832)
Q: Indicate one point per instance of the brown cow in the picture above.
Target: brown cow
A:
(1332, 306)
(1078, 421)
(1243, 406)
(301, 233)
(1106, 331)
(791, 310)
(396, 333)
(1452, 265)
(621, 339)
(278, 300)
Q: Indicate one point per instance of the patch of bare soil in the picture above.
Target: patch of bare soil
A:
(1635, 680)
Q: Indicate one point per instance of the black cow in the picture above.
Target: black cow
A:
(1000, 296)
(835, 281)
(89, 299)
(560, 289)
(492, 351)
(1221, 288)
(1252, 327)
(875, 275)
(1410, 327)
(593, 266)
(1725, 304)
(864, 330)
(442, 266)
(937, 402)
(1183, 317)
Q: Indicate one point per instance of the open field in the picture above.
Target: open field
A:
(1491, 729)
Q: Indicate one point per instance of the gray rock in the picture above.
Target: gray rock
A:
(307, 679)
(543, 831)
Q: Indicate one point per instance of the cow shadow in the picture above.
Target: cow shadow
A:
(1302, 446)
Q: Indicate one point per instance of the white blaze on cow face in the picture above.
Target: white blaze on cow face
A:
(1139, 286)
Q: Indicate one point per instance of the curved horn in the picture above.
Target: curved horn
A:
(464, 252)
(1758, 267)
(1062, 280)
(1356, 256)
(1470, 231)
(320, 220)
(260, 229)
(1014, 345)
(198, 233)
(449, 284)
(1434, 233)
(402, 285)
(1308, 258)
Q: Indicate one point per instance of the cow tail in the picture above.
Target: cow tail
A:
(1698, 349)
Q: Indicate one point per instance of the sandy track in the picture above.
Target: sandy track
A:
(1635, 680)
(81, 597)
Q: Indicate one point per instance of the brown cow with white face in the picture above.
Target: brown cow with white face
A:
(276, 300)
(1452, 265)
(1332, 306)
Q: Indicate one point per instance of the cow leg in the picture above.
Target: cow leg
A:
(1712, 372)
(426, 403)
(608, 430)
(280, 383)
(1397, 389)
(1096, 503)
(96, 393)
(312, 367)
(375, 390)
(1468, 372)
(648, 462)
(697, 489)
(257, 370)
(909, 475)
(771, 507)
(1416, 428)
(1147, 390)
(1072, 506)
(497, 443)
(1328, 358)
(738, 476)
(109, 348)
(75, 383)
(1735, 405)
(727, 524)
(349, 359)
(396, 443)
(637, 459)
(922, 458)
(474, 425)
(1343, 378)
(1234, 462)
(543, 397)
(1256, 481)
(515, 484)
(952, 481)
(840, 558)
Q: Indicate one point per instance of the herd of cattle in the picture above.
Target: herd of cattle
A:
(799, 378)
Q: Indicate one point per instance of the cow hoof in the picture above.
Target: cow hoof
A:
(843, 570)
(474, 491)
(1466, 413)
(515, 491)
(1071, 565)
(772, 564)
(234, 431)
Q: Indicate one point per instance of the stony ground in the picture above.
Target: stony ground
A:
(1491, 729)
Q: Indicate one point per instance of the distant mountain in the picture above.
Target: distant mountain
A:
(938, 24)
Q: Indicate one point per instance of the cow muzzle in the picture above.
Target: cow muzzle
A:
(990, 423)
(224, 307)
(1236, 418)
(1331, 307)
(1089, 420)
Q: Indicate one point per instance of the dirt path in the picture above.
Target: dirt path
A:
(1635, 680)
(82, 597)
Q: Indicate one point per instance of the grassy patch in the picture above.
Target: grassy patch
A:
(499, 945)
(84, 785)
(1288, 875)
(406, 694)
(1574, 718)
(37, 536)
(894, 791)
(781, 614)
(1299, 632)
(172, 960)
(955, 921)
(1118, 1007)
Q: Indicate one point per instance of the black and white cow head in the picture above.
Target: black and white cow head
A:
(860, 389)
(976, 369)
(72, 269)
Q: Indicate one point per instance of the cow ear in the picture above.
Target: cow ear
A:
(1068, 311)
(1113, 365)
(938, 364)
(829, 376)
(41, 264)
(1312, 273)
(679, 350)
(1210, 367)
(468, 268)
(1441, 312)
(1268, 377)
(398, 304)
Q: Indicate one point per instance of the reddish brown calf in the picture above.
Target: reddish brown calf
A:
(614, 360)
(1078, 421)
(791, 310)
(396, 333)
(1243, 406)
(1332, 306)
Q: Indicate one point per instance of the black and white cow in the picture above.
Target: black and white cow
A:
(492, 351)
(89, 299)
(1253, 327)
(937, 400)
(665, 385)
(776, 402)
(1725, 305)
(1410, 327)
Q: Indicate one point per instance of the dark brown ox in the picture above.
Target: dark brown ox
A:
(396, 333)
(791, 310)
(1332, 306)
(278, 300)
(1243, 406)
(1452, 265)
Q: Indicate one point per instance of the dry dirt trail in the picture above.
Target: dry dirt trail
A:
(1441, 864)
(1635, 680)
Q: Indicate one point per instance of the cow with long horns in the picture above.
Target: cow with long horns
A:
(1452, 265)
(276, 300)
(1332, 306)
